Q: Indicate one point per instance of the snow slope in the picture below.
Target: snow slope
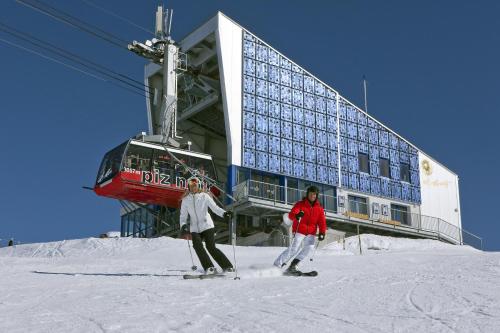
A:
(134, 285)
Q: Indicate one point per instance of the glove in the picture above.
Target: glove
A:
(321, 236)
(185, 229)
(228, 215)
(299, 215)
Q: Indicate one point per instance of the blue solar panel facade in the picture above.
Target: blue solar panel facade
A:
(296, 126)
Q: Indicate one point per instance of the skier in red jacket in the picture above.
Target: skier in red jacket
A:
(307, 216)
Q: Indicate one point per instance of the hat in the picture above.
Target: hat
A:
(313, 189)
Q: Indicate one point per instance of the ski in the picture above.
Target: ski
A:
(203, 276)
(106, 274)
(298, 273)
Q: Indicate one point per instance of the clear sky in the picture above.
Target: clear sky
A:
(432, 69)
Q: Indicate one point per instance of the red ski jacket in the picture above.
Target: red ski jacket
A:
(314, 217)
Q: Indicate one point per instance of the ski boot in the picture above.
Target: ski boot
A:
(292, 269)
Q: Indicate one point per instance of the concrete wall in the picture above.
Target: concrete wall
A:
(439, 190)
(229, 52)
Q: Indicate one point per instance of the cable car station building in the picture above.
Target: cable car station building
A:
(272, 129)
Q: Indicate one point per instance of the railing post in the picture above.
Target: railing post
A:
(286, 191)
(275, 194)
(233, 230)
(359, 239)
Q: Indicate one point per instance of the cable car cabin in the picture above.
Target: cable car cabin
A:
(145, 172)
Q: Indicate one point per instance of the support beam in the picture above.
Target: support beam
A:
(198, 107)
(202, 57)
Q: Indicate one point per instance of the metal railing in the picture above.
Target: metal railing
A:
(397, 219)
(278, 194)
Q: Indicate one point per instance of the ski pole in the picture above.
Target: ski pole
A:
(191, 254)
(314, 252)
(233, 241)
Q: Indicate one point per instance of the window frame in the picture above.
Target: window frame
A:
(407, 173)
(358, 200)
(380, 167)
(405, 218)
(367, 162)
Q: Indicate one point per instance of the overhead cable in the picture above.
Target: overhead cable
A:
(68, 66)
(109, 12)
(72, 57)
(75, 22)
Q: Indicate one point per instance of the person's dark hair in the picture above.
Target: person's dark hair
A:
(312, 188)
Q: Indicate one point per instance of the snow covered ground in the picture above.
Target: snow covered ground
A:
(135, 285)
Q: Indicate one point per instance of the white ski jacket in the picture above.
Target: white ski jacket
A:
(196, 207)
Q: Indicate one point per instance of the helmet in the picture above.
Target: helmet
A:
(313, 189)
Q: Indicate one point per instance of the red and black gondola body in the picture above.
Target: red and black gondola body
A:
(146, 172)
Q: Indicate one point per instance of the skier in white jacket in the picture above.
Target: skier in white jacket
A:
(195, 205)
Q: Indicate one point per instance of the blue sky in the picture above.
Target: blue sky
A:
(432, 69)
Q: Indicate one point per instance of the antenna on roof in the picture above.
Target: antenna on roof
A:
(168, 22)
(364, 91)
(159, 31)
(163, 25)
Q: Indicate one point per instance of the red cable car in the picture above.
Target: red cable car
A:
(146, 172)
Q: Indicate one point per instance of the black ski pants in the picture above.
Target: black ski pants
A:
(208, 237)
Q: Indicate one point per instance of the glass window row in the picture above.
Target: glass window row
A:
(398, 213)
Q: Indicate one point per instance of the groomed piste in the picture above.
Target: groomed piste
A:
(136, 285)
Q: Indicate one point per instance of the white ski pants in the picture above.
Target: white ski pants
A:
(301, 246)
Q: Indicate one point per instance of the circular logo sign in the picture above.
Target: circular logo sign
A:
(426, 166)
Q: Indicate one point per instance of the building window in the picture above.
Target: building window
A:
(400, 213)
(358, 205)
(328, 198)
(264, 185)
(124, 231)
(243, 175)
(364, 165)
(384, 167)
(293, 193)
(405, 172)
(140, 223)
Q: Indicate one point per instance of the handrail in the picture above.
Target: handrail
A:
(405, 220)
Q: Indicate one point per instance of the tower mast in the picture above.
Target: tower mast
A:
(163, 50)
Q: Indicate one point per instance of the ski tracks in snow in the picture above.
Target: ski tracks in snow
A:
(427, 314)
(56, 251)
(453, 309)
